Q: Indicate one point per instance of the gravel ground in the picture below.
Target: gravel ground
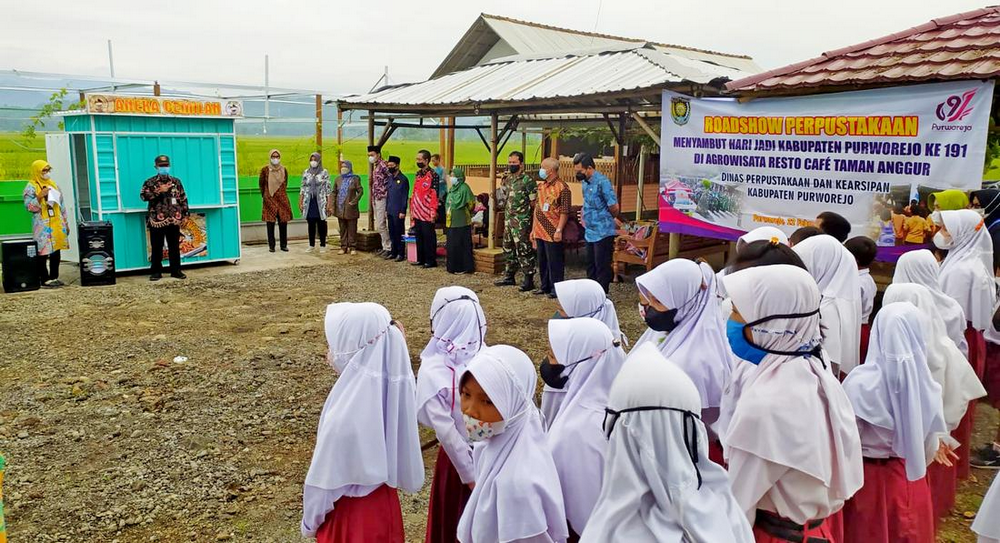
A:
(108, 439)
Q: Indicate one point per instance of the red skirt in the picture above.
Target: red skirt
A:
(977, 358)
(866, 334)
(448, 498)
(715, 453)
(943, 482)
(889, 508)
(991, 377)
(375, 517)
(823, 531)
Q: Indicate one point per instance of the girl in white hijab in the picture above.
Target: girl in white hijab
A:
(901, 421)
(769, 234)
(517, 495)
(659, 485)
(958, 381)
(458, 331)
(920, 267)
(836, 273)
(987, 523)
(581, 298)
(586, 361)
(680, 306)
(367, 444)
(792, 443)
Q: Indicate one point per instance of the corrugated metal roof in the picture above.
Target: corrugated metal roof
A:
(962, 46)
(569, 75)
(528, 38)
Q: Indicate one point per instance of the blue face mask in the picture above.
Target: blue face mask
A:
(163, 170)
(542, 174)
(741, 347)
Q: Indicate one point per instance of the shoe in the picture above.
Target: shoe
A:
(552, 295)
(539, 292)
(178, 275)
(986, 458)
(354, 251)
(155, 277)
(270, 249)
(416, 263)
(284, 249)
(343, 251)
(507, 281)
(48, 284)
(55, 283)
(528, 284)
(429, 266)
(400, 259)
(322, 248)
(389, 256)
(310, 249)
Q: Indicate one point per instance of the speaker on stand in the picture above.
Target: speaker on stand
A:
(97, 253)
(20, 265)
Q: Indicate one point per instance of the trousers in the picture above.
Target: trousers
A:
(314, 226)
(282, 234)
(172, 235)
(348, 229)
(599, 255)
(382, 223)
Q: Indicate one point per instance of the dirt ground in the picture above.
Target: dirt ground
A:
(108, 438)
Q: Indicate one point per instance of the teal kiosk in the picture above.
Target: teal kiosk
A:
(109, 149)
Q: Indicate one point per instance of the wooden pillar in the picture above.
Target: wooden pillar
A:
(554, 149)
(319, 125)
(640, 180)
(340, 133)
(368, 189)
(524, 142)
(620, 157)
(443, 142)
(493, 180)
(156, 88)
(674, 247)
(451, 143)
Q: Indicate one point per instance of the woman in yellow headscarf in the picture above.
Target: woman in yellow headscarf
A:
(49, 223)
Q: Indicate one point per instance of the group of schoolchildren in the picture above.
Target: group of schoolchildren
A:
(745, 412)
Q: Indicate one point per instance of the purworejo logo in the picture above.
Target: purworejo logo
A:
(954, 109)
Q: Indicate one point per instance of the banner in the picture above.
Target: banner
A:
(158, 105)
(728, 167)
(193, 239)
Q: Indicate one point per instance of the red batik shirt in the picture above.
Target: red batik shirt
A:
(424, 203)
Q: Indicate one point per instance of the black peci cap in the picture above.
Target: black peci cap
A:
(162, 160)
(394, 159)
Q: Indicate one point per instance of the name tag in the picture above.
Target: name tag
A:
(52, 212)
(173, 201)
(545, 207)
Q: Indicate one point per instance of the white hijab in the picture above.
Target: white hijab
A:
(894, 389)
(458, 330)
(586, 298)
(791, 410)
(368, 428)
(764, 233)
(659, 484)
(967, 272)
(698, 344)
(575, 438)
(920, 267)
(836, 273)
(517, 494)
(948, 366)
(987, 523)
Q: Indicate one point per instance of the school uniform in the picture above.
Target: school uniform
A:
(901, 420)
(658, 483)
(868, 291)
(458, 326)
(790, 435)
(367, 445)
(698, 343)
(582, 298)
(586, 349)
(517, 496)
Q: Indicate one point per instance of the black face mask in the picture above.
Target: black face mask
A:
(513, 168)
(580, 176)
(661, 321)
(421, 165)
(393, 170)
(552, 374)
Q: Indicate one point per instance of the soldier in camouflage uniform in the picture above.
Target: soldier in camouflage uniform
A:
(518, 212)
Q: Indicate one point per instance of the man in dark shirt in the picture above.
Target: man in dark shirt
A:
(395, 207)
(168, 209)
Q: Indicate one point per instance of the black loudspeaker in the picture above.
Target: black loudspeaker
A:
(97, 253)
(20, 265)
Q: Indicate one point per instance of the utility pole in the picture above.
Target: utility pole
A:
(111, 64)
(267, 92)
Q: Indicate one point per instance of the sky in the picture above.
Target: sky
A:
(342, 47)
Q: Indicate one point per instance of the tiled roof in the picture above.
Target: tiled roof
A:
(962, 46)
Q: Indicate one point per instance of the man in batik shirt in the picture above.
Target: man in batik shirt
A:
(380, 191)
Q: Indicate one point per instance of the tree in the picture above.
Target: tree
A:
(53, 106)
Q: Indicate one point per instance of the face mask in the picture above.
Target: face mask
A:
(421, 165)
(371, 160)
(980, 211)
(661, 321)
(741, 347)
(513, 168)
(542, 174)
(552, 373)
(943, 242)
(393, 169)
(481, 431)
(580, 176)
(275, 161)
(344, 171)
(46, 176)
(313, 164)
(163, 170)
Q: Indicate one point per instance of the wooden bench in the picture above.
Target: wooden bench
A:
(657, 249)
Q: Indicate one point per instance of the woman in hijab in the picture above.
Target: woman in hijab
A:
(347, 190)
(458, 332)
(901, 422)
(959, 385)
(792, 442)
(49, 223)
(988, 202)
(458, 224)
(987, 523)
(679, 304)
(948, 200)
(314, 200)
(580, 298)
(367, 445)
(584, 360)
(767, 244)
(921, 268)
(517, 496)
(273, 183)
(836, 273)
(658, 483)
